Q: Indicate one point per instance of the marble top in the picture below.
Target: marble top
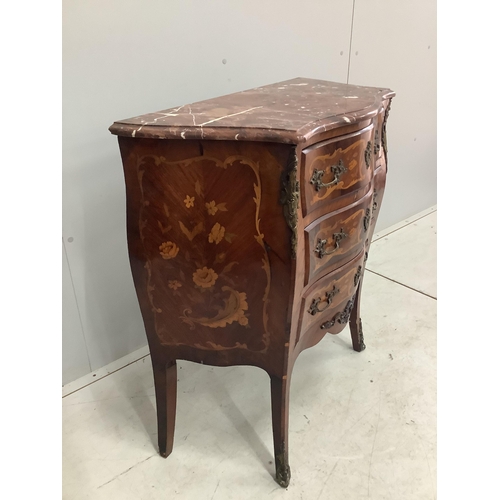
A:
(291, 112)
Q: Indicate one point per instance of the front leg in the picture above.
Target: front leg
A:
(165, 378)
(355, 324)
(280, 391)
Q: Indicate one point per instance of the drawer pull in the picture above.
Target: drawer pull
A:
(340, 317)
(367, 219)
(376, 149)
(337, 171)
(337, 238)
(357, 276)
(375, 204)
(368, 154)
(328, 299)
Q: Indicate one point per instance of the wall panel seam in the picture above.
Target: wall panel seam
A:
(350, 41)
(77, 305)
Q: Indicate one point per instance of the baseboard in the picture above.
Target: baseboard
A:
(104, 371)
(403, 223)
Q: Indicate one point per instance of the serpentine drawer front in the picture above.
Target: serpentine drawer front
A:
(249, 219)
(327, 299)
(336, 168)
(336, 238)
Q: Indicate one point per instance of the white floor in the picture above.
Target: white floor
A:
(362, 425)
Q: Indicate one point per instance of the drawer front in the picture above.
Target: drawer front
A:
(336, 238)
(335, 169)
(326, 304)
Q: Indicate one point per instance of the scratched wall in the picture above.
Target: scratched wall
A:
(122, 58)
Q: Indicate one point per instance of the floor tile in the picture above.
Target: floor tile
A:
(362, 425)
(408, 255)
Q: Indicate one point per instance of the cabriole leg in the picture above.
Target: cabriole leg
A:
(280, 391)
(355, 324)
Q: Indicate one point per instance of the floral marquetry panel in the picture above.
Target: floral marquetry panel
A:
(206, 250)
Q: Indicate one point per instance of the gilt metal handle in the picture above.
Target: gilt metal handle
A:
(367, 219)
(328, 299)
(357, 276)
(337, 238)
(368, 154)
(336, 170)
(376, 148)
(341, 317)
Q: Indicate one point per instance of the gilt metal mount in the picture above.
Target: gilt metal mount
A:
(368, 154)
(327, 300)
(336, 170)
(290, 198)
(321, 245)
(341, 317)
(357, 276)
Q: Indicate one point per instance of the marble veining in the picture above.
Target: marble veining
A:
(290, 112)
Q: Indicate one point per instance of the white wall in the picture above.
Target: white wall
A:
(394, 45)
(123, 58)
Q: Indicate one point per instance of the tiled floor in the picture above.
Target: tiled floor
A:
(362, 425)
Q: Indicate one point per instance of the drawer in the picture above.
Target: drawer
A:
(335, 169)
(330, 296)
(335, 238)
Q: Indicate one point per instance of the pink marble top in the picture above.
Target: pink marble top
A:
(291, 112)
